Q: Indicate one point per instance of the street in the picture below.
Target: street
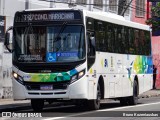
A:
(110, 109)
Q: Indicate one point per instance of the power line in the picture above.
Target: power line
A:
(126, 7)
(135, 7)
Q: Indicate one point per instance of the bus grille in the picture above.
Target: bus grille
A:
(37, 86)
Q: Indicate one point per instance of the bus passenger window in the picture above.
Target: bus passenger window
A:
(126, 39)
(136, 41)
(147, 44)
(142, 42)
(119, 44)
(111, 38)
(131, 41)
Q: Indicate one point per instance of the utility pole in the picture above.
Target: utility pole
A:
(0, 7)
(90, 6)
(71, 3)
(52, 3)
(121, 6)
(26, 4)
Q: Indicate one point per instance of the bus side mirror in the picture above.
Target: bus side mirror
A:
(7, 37)
(7, 43)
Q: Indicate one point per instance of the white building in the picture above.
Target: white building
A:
(9, 7)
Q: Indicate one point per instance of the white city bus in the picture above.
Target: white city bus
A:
(84, 56)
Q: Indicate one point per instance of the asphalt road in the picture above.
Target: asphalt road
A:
(147, 109)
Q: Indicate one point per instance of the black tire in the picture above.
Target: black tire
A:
(133, 100)
(95, 104)
(37, 104)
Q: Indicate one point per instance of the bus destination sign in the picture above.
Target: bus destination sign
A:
(47, 16)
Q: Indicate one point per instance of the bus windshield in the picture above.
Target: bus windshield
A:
(59, 43)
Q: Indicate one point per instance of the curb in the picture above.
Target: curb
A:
(148, 96)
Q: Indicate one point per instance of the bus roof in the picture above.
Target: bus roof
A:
(116, 19)
(48, 9)
(104, 16)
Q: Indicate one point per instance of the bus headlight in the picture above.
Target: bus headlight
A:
(81, 74)
(18, 77)
(77, 76)
(15, 75)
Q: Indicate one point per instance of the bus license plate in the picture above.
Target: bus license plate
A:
(46, 87)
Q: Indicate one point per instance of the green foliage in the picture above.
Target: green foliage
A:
(156, 14)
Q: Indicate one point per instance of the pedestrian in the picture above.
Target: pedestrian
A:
(154, 76)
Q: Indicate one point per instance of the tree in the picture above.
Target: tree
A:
(155, 19)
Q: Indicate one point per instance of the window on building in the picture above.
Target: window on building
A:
(98, 3)
(140, 8)
(128, 9)
(113, 6)
(83, 2)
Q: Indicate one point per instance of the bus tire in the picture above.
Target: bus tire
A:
(95, 104)
(37, 104)
(133, 100)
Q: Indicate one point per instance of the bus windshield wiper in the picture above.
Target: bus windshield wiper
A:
(58, 35)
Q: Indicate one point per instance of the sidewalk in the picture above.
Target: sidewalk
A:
(7, 105)
(151, 93)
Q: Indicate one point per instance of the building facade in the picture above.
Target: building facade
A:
(141, 11)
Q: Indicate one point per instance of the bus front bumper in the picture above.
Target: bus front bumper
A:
(76, 90)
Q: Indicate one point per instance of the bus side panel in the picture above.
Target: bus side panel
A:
(128, 77)
(103, 69)
(119, 74)
(142, 69)
(109, 66)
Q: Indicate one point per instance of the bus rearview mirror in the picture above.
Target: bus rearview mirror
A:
(7, 39)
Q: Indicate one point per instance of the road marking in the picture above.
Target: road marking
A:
(56, 118)
(111, 109)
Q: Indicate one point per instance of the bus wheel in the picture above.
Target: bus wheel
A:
(95, 104)
(133, 100)
(37, 104)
